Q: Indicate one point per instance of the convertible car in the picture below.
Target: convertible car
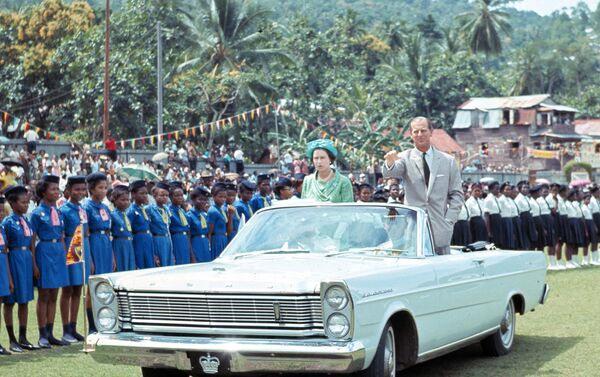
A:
(316, 288)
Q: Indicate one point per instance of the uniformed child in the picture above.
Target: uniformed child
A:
(461, 235)
(179, 227)
(160, 219)
(527, 222)
(99, 224)
(6, 281)
(595, 209)
(217, 220)
(475, 207)
(74, 215)
(245, 191)
(492, 214)
(121, 230)
(563, 228)
(49, 257)
(283, 189)
(576, 235)
(365, 193)
(546, 208)
(591, 232)
(233, 217)
(140, 225)
(507, 212)
(261, 198)
(536, 214)
(19, 238)
(521, 241)
(199, 224)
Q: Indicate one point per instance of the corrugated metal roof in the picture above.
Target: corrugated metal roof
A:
(588, 127)
(442, 141)
(554, 107)
(517, 102)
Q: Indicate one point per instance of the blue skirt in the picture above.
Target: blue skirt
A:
(144, 250)
(4, 283)
(102, 253)
(75, 270)
(509, 242)
(21, 268)
(51, 260)
(163, 250)
(181, 248)
(201, 249)
(217, 245)
(124, 255)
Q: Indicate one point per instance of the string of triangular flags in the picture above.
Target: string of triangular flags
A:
(10, 124)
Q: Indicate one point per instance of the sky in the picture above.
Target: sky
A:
(545, 7)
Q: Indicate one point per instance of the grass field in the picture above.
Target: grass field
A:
(561, 338)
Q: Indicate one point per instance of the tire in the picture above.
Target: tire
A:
(163, 372)
(384, 362)
(501, 342)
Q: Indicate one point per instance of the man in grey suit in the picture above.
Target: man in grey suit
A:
(431, 181)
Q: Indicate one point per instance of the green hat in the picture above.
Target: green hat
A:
(321, 144)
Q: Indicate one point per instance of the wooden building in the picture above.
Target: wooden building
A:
(522, 133)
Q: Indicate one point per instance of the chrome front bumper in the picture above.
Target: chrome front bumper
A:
(235, 355)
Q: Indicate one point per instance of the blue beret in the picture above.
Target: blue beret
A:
(325, 144)
(262, 177)
(14, 191)
(535, 188)
(136, 185)
(75, 179)
(283, 182)
(95, 177)
(163, 186)
(248, 185)
(51, 178)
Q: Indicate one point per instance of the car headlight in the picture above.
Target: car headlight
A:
(336, 297)
(338, 325)
(107, 319)
(105, 293)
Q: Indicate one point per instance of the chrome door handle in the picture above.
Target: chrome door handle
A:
(478, 261)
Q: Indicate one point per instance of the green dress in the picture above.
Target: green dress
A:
(337, 190)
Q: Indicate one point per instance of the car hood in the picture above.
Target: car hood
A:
(264, 274)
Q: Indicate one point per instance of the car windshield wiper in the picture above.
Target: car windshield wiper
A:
(271, 251)
(373, 250)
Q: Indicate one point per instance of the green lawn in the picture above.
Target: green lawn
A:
(560, 338)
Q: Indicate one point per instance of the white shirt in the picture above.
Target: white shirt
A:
(550, 200)
(491, 204)
(475, 207)
(508, 208)
(587, 214)
(593, 206)
(238, 154)
(523, 203)
(31, 135)
(571, 210)
(544, 207)
(562, 210)
(535, 207)
(463, 214)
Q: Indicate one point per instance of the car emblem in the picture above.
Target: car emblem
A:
(210, 364)
(277, 311)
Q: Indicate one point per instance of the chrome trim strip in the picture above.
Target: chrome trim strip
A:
(545, 294)
(455, 345)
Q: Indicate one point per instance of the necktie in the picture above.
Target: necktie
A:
(250, 209)
(26, 230)
(54, 216)
(266, 203)
(182, 217)
(223, 213)
(426, 169)
(144, 213)
(127, 223)
(202, 220)
(164, 215)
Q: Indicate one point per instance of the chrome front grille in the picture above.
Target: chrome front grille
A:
(225, 314)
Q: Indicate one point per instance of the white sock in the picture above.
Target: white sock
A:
(552, 260)
(595, 256)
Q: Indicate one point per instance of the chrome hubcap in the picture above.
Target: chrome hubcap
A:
(389, 356)
(507, 326)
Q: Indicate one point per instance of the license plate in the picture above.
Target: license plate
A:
(209, 363)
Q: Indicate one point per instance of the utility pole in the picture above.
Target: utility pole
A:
(106, 72)
(159, 86)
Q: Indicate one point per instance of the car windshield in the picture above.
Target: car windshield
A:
(329, 230)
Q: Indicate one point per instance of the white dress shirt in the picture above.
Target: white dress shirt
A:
(594, 207)
(475, 207)
(587, 214)
(492, 206)
(523, 203)
(562, 210)
(544, 207)
(535, 207)
(508, 208)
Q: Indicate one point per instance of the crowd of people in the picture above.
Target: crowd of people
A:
(552, 218)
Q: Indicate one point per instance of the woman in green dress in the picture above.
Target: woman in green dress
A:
(326, 184)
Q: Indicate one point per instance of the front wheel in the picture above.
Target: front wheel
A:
(501, 342)
(384, 362)
(163, 372)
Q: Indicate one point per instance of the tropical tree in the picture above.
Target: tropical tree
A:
(482, 26)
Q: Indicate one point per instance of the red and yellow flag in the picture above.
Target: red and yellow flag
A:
(75, 253)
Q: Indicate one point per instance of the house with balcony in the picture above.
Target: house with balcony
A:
(522, 133)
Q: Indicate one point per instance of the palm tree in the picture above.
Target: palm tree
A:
(483, 24)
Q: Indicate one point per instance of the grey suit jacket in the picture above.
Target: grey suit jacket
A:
(442, 199)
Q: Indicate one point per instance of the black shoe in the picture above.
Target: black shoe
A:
(43, 343)
(77, 336)
(4, 352)
(26, 345)
(57, 342)
(15, 347)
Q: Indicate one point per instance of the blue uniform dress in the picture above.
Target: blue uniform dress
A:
(4, 268)
(18, 232)
(235, 222)
(122, 241)
(243, 208)
(258, 202)
(50, 255)
(218, 218)
(160, 218)
(142, 238)
(199, 230)
(73, 215)
(180, 232)
(100, 247)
